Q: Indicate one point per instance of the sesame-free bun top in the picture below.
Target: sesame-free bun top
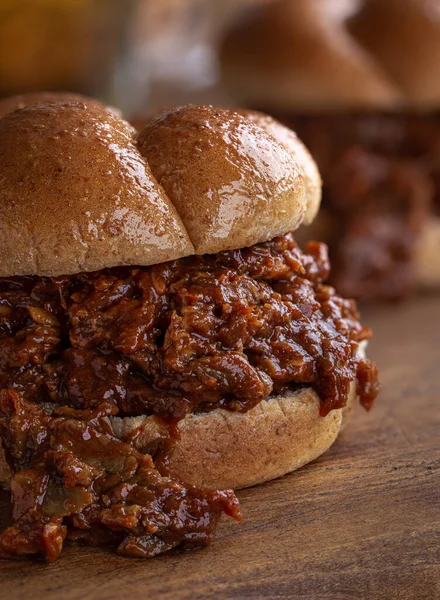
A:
(82, 191)
(232, 183)
(12, 103)
(289, 140)
(309, 55)
(76, 194)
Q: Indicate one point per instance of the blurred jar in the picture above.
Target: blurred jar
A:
(72, 45)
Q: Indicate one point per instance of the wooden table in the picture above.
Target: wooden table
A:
(363, 521)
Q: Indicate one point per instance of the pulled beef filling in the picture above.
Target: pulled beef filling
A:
(381, 182)
(226, 330)
(73, 478)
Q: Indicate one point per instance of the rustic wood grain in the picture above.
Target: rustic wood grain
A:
(363, 521)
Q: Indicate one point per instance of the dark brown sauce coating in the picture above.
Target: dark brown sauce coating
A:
(225, 330)
(74, 479)
(381, 183)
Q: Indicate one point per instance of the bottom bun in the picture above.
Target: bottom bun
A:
(223, 449)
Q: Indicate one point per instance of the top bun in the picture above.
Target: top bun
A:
(232, 183)
(82, 191)
(76, 194)
(305, 55)
(12, 103)
(290, 141)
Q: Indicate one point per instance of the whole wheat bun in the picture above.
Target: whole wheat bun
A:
(232, 184)
(235, 450)
(77, 195)
(82, 191)
(304, 55)
(289, 140)
(12, 103)
(223, 449)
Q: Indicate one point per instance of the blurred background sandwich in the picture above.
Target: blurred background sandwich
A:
(359, 81)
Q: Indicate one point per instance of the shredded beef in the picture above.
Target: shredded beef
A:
(227, 330)
(74, 479)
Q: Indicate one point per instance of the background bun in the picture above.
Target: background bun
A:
(307, 55)
(232, 183)
(76, 195)
(300, 55)
(404, 37)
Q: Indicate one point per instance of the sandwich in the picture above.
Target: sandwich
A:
(358, 82)
(163, 339)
